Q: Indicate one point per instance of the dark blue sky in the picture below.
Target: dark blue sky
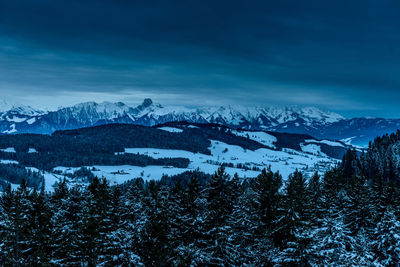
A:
(338, 55)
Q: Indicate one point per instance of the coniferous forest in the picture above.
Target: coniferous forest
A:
(199, 133)
(343, 218)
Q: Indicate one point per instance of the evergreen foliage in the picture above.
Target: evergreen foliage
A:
(349, 216)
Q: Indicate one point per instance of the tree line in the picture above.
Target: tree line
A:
(334, 220)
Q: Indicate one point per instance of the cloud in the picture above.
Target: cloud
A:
(338, 55)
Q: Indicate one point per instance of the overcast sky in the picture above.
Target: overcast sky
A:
(337, 55)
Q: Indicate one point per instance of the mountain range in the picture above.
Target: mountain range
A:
(309, 120)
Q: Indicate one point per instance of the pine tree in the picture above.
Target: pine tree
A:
(97, 222)
(189, 251)
(267, 199)
(132, 221)
(178, 226)
(314, 188)
(292, 233)
(386, 240)
(76, 209)
(357, 205)
(22, 225)
(41, 230)
(8, 227)
(62, 236)
(154, 247)
(219, 208)
(332, 243)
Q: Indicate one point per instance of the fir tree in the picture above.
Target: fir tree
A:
(292, 233)
(41, 230)
(155, 247)
(267, 199)
(386, 240)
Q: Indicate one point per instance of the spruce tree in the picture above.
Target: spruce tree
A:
(41, 230)
(22, 225)
(8, 227)
(267, 197)
(154, 240)
(386, 240)
(219, 208)
(293, 234)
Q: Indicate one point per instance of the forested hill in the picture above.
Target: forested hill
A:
(113, 138)
(126, 151)
(382, 159)
(348, 216)
(334, 220)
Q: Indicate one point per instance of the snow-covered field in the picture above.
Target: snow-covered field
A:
(171, 129)
(285, 161)
(312, 149)
(261, 137)
(327, 142)
(8, 149)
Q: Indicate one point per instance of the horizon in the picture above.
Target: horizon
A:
(135, 104)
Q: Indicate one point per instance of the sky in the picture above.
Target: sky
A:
(342, 56)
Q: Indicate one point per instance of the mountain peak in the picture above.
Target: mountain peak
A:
(147, 102)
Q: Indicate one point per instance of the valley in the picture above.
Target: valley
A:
(123, 152)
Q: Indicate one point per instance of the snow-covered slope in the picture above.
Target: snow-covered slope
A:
(148, 113)
(150, 152)
(246, 163)
(307, 120)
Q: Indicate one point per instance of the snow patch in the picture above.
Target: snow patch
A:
(8, 149)
(8, 161)
(171, 129)
(11, 130)
(327, 142)
(261, 137)
(31, 120)
(312, 149)
(285, 161)
(32, 150)
(15, 119)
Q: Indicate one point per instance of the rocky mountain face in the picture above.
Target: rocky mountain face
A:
(309, 120)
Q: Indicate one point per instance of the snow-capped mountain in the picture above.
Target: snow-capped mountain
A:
(308, 120)
(12, 115)
(236, 116)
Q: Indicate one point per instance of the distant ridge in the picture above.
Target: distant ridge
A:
(308, 120)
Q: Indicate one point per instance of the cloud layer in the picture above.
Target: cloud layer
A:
(336, 55)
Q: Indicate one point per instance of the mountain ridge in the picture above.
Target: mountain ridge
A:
(303, 120)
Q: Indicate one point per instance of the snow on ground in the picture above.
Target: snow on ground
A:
(261, 137)
(32, 150)
(312, 149)
(13, 186)
(11, 130)
(8, 161)
(8, 149)
(31, 120)
(348, 141)
(50, 179)
(15, 119)
(171, 129)
(285, 161)
(327, 142)
(122, 173)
